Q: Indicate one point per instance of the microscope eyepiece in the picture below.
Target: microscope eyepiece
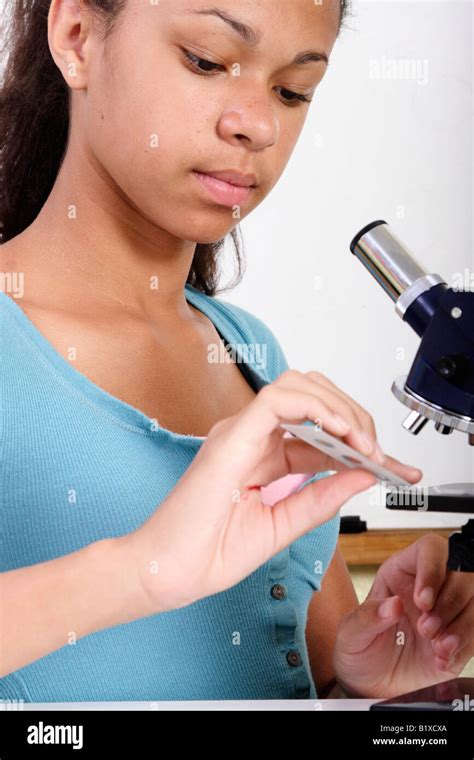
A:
(398, 272)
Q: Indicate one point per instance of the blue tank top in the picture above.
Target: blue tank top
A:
(62, 435)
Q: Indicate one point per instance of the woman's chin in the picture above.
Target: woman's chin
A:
(208, 234)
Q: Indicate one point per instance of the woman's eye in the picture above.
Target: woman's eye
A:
(294, 98)
(204, 67)
(201, 65)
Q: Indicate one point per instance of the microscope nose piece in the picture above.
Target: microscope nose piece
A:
(443, 429)
(422, 411)
(415, 422)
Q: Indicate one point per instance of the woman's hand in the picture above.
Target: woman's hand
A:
(213, 529)
(415, 629)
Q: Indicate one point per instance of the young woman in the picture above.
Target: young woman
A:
(162, 538)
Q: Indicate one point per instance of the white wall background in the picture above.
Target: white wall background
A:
(373, 148)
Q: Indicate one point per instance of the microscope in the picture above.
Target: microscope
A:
(440, 384)
(439, 388)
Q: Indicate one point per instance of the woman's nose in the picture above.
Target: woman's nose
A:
(255, 122)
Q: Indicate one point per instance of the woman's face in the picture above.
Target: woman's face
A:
(177, 89)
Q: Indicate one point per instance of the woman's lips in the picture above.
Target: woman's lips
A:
(223, 192)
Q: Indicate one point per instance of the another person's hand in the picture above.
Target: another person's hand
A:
(214, 529)
(415, 629)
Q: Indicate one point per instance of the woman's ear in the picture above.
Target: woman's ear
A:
(69, 32)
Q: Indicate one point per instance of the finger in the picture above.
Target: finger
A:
(273, 405)
(298, 458)
(457, 635)
(365, 419)
(333, 400)
(426, 560)
(455, 596)
(367, 425)
(361, 435)
(315, 504)
(404, 470)
(367, 430)
(304, 458)
(456, 664)
(373, 617)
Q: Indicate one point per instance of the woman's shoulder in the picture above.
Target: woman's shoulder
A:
(258, 332)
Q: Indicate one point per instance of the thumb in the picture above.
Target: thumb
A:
(316, 503)
(360, 628)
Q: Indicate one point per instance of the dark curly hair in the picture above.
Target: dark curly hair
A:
(34, 126)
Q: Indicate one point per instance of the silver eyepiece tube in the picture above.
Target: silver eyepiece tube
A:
(387, 258)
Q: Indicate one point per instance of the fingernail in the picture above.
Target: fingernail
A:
(432, 625)
(342, 424)
(427, 596)
(450, 643)
(385, 609)
(443, 664)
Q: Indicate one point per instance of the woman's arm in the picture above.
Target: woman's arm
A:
(336, 598)
(50, 604)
